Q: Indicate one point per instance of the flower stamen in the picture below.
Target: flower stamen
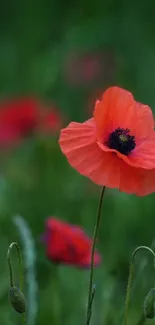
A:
(122, 141)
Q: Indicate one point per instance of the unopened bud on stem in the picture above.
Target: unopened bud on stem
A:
(17, 299)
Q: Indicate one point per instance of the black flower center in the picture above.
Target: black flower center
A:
(122, 141)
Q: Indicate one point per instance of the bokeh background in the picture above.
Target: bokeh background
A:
(64, 54)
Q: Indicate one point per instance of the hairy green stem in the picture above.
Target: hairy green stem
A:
(90, 291)
(10, 269)
(130, 279)
(14, 244)
(91, 302)
(29, 250)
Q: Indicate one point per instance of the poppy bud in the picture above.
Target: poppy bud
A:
(149, 309)
(17, 299)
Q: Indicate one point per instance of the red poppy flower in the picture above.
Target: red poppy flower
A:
(68, 244)
(116, 147)
(18, 118)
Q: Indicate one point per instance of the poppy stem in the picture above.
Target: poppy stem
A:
(130, 279)
(14, 244)
(91, 292)
(29, 252)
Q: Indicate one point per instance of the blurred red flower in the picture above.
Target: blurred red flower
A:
(18, 117)
(116, 147)
(22, 116)
(83, 68)
(68, 244)
(51, 122)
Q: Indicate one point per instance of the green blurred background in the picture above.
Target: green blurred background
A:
(66, 53)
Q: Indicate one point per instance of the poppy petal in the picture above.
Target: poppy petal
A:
(117, 108)
(144, 154)
(139, 181)
(142, 157)
(77, 142)
(81, 134)
(111, 111)
(104, 168)
(148, 182)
